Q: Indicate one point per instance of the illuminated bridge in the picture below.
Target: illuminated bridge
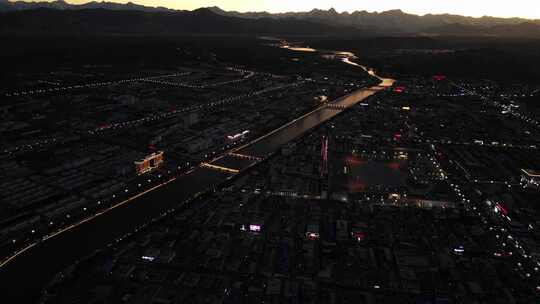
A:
(244, 156)
(335, 107)
(219, 168)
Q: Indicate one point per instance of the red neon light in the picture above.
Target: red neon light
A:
(324, 156)
(501, 209)
(439, 77)
(399, 89)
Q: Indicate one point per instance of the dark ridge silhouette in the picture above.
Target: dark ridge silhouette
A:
(132, 22)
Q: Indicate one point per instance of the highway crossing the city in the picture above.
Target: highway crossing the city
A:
(497, 104)
(476, 143)
(165, 115)
(89, 85)
(152, 79)
(201, 86)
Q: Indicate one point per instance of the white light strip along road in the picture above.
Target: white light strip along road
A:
(90, 85)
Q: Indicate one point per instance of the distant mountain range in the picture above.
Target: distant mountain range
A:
(160, 20)
(10, 6)
(393, 20)
(46, 21)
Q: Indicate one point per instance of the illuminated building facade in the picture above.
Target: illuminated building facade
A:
(149, 163)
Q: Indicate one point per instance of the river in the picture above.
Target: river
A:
(26, 274)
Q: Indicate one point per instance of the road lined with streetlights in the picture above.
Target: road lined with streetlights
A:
(89, 85)
(198, 107)
(497, 104)
(246, 75)
(201, 86)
